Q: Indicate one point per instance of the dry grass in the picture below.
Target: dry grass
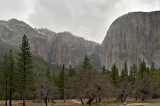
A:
(40, 103)
(69, 102)
(19, 103)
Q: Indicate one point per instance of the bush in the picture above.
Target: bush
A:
(16, 95)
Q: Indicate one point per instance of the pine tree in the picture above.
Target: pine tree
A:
(108, 72)
(71, 71)
(8, 67)
(54, 76)
(104, 70)
(152, 68)
(63, 80)
(25, 63)
(114, 74)
(133, 72)
(86, 64)
(48, 74)
(11, 75)
(142, 69)
(5, 68)
(124, 72)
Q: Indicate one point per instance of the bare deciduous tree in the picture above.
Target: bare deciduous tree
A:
(143, 87)
(46, 90)
(89, 84)
(99, 87)
(125, 90)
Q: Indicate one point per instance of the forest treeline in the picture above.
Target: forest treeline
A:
(19, 81)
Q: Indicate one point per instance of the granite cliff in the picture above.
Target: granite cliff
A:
(132, 38)
(56, 48)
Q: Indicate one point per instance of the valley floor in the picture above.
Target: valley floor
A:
(74, 102)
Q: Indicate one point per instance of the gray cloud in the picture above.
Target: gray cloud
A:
(15, 9)
(87, 18)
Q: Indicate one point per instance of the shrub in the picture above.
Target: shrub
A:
(16, 95)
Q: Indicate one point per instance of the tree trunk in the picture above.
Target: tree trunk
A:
(10, 97)
(6, 91)
(124, 98)
(10, 92)
(6, 98)
(119, 98)
(136, 98)
(99, 99)
(82, 101)
(45, 100)
(63, 84)
(90, 100)
(24, 98)
(24, 86)
(143, 97)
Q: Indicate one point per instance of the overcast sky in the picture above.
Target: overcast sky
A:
(86, 18)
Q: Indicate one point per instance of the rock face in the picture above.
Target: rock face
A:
(70, 49)
(57, 48)
(95, 57)
(132, 38)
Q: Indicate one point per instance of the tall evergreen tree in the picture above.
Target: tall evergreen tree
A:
(133, 72)
(48, 74)
(59, 81)
(114, 74)
(152, 68)
(5, 68)
(63, 79)
(71, 71)
(54, 76)
(25, 63)
(86, 64)
(142, 69)
(11, 76)
(104, 70)
(124, 72)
